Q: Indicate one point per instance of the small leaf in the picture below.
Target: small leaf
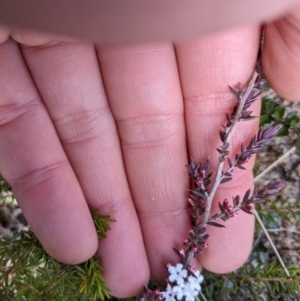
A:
(248, 118)
(278, 112)
(193, 163)
(294, 124)
(297, 144)
(199, 193)
(234, 92)
(264, 119)
(268, 106)
(284, 131)
(216, 225)
(245, 210)
(219, 150)
(236, 200)
(205, 237)
(246, 196)
(228, 117)
(292, 116)
(177, 252)
(222, 135)
(276, 116)
(242, 148)
(225, 180)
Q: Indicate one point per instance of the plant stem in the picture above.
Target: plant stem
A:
(218, 176)
(271, 243)
(283, 157)
(203, 297)
(257, 178)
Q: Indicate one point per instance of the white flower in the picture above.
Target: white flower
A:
(169, 294)
(179, 292)
(200, 278)
(187, 288)
(177, 273)
(193, 285)
(190, 298)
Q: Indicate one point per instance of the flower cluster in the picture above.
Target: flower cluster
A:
(183, 283)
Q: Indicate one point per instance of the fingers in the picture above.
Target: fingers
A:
(34, 163)
(68, 79)
(206, 67)
(143, 88)
(281, 55)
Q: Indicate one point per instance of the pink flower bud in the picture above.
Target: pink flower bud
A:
(182, 252)
(233, 214)
(248, 207)
(195, 250)
(243, 161)
(191, 202)
(187, 241)
(192, 232)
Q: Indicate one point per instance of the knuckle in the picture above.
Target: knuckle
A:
(145, 131)
(12, 110)
(82, 125)
(36, 176)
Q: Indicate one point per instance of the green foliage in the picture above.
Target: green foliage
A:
(101, 223)
(271, 212)
(271, 112)
(253, 283)
(6, 196)
(28, 273)
(265, 279)
(4, 186)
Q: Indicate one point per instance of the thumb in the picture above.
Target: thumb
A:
(139, 21)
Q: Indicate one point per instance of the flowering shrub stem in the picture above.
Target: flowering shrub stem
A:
(218, 177)
(184, 281)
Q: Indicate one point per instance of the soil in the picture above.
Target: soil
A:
(285, 234)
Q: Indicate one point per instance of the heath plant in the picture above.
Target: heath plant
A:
(184, 281)
(28, 273)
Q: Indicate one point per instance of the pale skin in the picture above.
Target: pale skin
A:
(86, 127)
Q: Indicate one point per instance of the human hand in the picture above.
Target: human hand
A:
(114, 138)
